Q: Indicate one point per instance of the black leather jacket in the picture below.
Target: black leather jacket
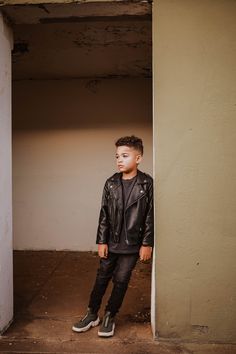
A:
(138, 214)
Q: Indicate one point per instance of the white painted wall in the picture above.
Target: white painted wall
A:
(63, 150)
(6, 266)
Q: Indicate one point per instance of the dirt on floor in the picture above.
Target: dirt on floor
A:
(51, 291)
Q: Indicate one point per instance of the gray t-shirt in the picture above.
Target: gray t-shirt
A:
(122, 247)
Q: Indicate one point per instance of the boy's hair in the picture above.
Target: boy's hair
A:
(131, 141)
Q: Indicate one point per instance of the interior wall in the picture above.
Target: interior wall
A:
(63, 150)
(195, 154)
(6, 266)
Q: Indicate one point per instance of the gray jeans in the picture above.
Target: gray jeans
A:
(118, 267)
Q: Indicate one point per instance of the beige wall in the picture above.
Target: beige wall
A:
(195, 153)
(63, 150)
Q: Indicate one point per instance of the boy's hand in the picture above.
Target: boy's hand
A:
(145, 253)
(103, 250)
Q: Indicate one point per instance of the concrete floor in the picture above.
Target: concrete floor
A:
(51, 293)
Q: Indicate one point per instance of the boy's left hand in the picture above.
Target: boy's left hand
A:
(145, 253)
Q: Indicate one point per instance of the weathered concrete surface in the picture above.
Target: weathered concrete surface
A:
(20, 13)
(51, 292)
(70, 49)
(130, 6)
(74, 40)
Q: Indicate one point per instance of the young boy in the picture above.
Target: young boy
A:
(124, 234)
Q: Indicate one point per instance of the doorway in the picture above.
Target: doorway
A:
(82, 76)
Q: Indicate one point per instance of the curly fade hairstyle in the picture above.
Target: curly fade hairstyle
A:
(131, 141)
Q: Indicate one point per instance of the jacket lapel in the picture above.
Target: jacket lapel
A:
(117, 190)
(138, 191)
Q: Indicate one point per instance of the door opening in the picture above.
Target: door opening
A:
(82, 76)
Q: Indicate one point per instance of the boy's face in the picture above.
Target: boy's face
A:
(127, 158)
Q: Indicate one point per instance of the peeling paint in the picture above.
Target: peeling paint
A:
(93, 49)
(94, 46)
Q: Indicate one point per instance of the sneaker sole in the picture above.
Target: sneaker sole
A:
(84, 329)
(107, 334)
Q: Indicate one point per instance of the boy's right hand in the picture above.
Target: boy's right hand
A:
(103, 250)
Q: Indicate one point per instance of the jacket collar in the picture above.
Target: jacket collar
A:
(138, 191)
(141, 178)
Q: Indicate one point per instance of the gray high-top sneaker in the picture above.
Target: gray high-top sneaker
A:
(89, 320)
(108, 325)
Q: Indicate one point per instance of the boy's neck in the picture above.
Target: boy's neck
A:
(129, 175)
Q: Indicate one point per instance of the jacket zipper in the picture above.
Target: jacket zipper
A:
(126, 237)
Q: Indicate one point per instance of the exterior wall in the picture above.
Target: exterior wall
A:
(195, 171)
(6, 282)
(63, 150)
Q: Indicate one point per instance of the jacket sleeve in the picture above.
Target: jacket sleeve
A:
(148, 233)
(103, 223)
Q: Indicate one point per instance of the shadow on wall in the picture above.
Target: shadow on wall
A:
(81, 103)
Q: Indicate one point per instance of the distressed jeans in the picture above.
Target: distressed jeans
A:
(118, 267)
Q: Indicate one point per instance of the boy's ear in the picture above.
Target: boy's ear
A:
(138, 158)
